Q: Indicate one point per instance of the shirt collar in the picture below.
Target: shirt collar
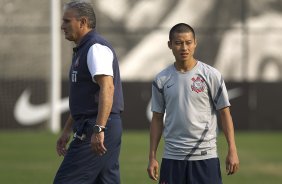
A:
(84, 40)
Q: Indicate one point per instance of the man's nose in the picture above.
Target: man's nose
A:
(184, 47)
(62, 26)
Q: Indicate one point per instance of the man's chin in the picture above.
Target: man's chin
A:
(68, 38)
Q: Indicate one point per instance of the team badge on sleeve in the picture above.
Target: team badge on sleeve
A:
(198, 84)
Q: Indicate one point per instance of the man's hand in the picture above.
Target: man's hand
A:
(153, 169)
(97, 143)
(62, 143)
(232, 162)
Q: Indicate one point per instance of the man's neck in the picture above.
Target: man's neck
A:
(185, 66)
(81, 35)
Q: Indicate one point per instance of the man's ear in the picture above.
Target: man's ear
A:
(83, 21)
(169, 44)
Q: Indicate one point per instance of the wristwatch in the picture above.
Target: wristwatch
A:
(97, 129)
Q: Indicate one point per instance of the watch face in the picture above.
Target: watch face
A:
(97, 129)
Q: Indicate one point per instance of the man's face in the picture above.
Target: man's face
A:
(71, 26)
(183, 46)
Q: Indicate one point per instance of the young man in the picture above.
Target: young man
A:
(190, 93)
(96, 101)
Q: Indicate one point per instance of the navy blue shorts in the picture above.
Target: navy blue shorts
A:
(190, 172)
(82, 165)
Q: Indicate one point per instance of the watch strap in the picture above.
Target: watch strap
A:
(99, 128)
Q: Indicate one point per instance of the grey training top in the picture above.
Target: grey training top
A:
(190, 101)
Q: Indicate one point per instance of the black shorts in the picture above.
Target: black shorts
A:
(81, 165)
(190, 172)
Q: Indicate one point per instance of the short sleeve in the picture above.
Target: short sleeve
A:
(100, 60)
(158, 102)
(218, 91)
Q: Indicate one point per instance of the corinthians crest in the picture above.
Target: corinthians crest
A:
(198, 84)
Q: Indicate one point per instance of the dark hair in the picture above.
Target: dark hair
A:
(181, 28)
(83, 9)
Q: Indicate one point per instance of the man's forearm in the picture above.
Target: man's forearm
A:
(156, 129)
(228, 128)
(105, 104)
(68, 125)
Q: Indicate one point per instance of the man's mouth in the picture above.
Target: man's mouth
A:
(65, 32)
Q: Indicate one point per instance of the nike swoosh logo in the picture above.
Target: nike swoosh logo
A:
(168, 86)
(232, 94)
(28, 114)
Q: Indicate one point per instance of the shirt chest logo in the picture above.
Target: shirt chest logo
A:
(198, 84)
(76, 63)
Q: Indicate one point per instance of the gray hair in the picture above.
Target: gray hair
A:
(83, 9)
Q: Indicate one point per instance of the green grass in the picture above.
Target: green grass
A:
(30, 157)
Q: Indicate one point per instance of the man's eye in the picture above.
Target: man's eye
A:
(66, 21)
